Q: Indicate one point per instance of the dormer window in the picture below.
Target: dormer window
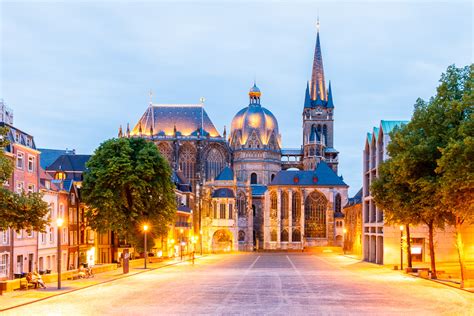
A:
(60, 175)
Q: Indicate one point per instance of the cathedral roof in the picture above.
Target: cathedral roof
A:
(163, 119)
(226, 175)
(322, 176)
(258, 189)
(223, 193)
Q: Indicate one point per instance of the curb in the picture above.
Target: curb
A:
(103, 282)
(440, 282)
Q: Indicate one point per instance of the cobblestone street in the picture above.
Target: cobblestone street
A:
(262, 284)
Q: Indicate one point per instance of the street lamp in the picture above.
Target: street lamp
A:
(344, 241)
(401, 247)
(59, 224)
(145, 229)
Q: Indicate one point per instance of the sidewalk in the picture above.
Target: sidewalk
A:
(22, 297)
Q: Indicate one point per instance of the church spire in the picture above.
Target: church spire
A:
(330, 101)
(307, 97)
(318, 86)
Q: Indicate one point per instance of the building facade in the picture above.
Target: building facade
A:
(249, 192)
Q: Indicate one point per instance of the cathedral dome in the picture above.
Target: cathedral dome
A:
(254, 118)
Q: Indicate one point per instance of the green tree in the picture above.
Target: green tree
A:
(128, 183)
(18, 211)
(456, 166)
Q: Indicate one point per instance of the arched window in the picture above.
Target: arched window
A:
(187, 161)
(241, 205)
(273, 235)
(215, 162)
(296, 208)
(273, 205)
(296, 235)
(166, 151)
(319, 131)
(337, 203)
(253, 141)
(253, 210)
(325, 133)
(241, 235)
(253, 178)
(272, 177)
(315, 216)
(284, 235)
(284, 205)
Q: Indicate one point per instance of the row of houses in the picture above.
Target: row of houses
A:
(58, 175)
(370, 238)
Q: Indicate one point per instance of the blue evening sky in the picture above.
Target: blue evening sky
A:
(74, 71)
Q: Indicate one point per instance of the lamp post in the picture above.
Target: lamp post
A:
(59, 224)
(344, 241)
(181, 243)
(145, 229)
(401, 247)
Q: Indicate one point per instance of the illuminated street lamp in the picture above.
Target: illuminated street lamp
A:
(145, 229)
(59, 224)
(401, 247)
(344, 241)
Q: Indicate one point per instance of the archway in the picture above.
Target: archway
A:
(222, 241)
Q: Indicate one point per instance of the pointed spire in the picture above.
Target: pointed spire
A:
(120, 132)
(318, 86)
(174, 130)
(330, 103)
(128, 130)
(307, 97)
(225, 133)
(140, 129)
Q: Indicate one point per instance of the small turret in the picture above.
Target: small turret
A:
(330, 102)
(120, 132)
(128, 130)
(307, 97)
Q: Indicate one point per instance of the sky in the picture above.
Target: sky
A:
(74, 71)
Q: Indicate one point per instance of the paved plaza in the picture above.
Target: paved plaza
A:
(264, 283)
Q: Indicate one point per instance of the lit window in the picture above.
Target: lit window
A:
(19, 160)
(222, 210)
(31, 163)
(51, 235)
(60, 175)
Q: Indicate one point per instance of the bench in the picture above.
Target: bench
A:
(26, 283)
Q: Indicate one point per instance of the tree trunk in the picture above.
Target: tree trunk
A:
(432, 249)
(409, 246)
(460, 248)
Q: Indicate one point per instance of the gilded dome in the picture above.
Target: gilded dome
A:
(254, 118)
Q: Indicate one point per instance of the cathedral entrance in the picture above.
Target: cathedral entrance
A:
(222, 241)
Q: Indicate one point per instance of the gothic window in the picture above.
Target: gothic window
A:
(272, 177)
(337, 203)
(215, 210)
(319, 130)
(311, 151)
(187, 161)
(253, 210)
(166, 151)
(215, 162)
(325, 133)
(315, 216)
(273, 205)
(296, 208)
(296, 235)
(284, 235)
(253, 178)
(231, 210)
(241, 205)
(253, 141)
(273, 235)
(284, 205)
(241, 235)
(222, 210)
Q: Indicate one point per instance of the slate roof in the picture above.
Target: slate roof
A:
(223, 193)
(331, 150)
(388, 126)
(226, 175)
(291, 151)
(48, 156)
(186, 117)
(184, 208)
(70, 163)
(180, 181)
(322, 176)
(24, 139)
(258, 189)
(356, 199)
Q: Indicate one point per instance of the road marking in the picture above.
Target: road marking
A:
(234, 289)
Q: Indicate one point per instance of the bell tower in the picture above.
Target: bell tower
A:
(318, 120)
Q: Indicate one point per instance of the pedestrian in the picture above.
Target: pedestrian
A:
(36, 278)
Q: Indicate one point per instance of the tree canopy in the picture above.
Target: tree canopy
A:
(18, 211)
(128, 183)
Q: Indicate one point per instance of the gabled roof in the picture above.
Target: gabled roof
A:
(322, 176)
(223, 193)
(356, 199)
(226, 175)
(48, 156)
(70, 163)
(388, 126)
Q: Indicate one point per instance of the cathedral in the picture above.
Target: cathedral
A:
(245, 191)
